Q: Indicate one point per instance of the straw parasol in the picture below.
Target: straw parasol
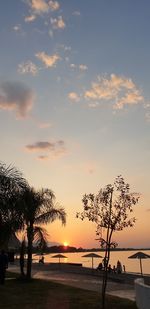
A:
(92, 255)
(140, 255)
(59, 256)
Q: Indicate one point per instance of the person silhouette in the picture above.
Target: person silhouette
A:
(3, 266)
(119, 267)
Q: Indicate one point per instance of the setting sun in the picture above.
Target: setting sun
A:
(65, 243)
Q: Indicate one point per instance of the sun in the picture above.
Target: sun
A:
(65, 244)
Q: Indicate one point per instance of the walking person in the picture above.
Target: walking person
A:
(3, 266)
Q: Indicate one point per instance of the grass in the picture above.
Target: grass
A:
(40, 294)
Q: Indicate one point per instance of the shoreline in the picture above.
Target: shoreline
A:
(78, 269)
(68, 268)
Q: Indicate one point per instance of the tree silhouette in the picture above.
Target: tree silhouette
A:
(39, 208)
(109, 210)
(12, 184)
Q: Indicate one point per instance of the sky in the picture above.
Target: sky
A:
(75, 104)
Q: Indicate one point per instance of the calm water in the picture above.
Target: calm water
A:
(132, 265)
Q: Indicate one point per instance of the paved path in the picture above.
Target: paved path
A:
(86, 282)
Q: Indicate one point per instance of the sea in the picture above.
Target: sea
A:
(131, 265)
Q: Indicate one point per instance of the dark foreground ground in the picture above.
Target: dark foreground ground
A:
(42, 294)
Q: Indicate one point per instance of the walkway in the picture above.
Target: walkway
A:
(87, 282)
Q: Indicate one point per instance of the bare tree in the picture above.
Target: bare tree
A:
(110, 210)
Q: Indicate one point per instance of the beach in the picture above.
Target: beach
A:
(131, 265)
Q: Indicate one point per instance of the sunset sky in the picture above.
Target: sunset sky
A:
(75, 104)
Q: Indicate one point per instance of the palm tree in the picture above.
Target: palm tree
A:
(39, 208)
(12, 185)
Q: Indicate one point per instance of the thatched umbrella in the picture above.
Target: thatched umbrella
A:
(59, 256)
(92, 255)
(140, 255)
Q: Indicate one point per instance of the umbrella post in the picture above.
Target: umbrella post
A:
(141, 267)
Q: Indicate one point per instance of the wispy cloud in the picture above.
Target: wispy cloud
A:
(58, 23)
(38, 6)
(76, 13)
(44, 125)
(81, 67)
(17, 97)
(48, 60)
(17, 28)
(121, 90)
(65, 47)
(43, 158)
(30, 18)
(93, 104)
(54, 5)
(28, 67)
(73, 96)
(129, 98)
(38, 146)
(52, 149)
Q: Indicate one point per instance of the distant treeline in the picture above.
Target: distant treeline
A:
(61, 248)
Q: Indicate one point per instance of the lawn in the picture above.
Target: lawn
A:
(40, 294)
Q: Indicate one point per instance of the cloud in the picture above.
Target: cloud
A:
(30, 18)
(129, 98)
(93, 104)
(43, 158)
(44, 125)
(117, 88)
(73, 96)
(72, 65)
(49, 61)
(54, 148)
(81, 67)
(40, 146)
(38, 6)
(76, 13)
(17, 28)
(65, 47)
(58, 23)
(54, 5)
(17, 97)
(28, 67)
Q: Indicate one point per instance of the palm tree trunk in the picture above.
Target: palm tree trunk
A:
(29, 250)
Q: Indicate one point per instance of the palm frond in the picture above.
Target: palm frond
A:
(11, 176)
(51, 216)
(40, 236)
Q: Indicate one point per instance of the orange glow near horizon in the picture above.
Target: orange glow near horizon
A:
(65, 244)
